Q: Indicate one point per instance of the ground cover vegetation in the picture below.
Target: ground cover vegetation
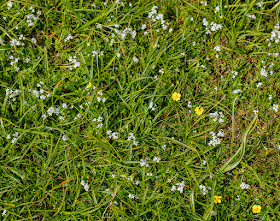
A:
(139, 110)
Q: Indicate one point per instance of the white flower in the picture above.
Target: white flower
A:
(217, 48)
(221, 133)
(113, 176)
(215, 140)
(135, 59)
(86, 187)
(237, 91)
(173, 188)
(259, 84)
(64, 138)
(4, 213)
(34, 40)
(131, 196)
(275, 107)
(163, 147)
(203, 188)
(149, 174)
(118, 55)
(244, 186)
(235, 73)
(143, 26)
(50, 111)
(263, 72)
(64, 105)
(255, 111)
(68, 37)
(143, 162)
(9, 5)
(61, 118)
(217, 9)
(156, 159)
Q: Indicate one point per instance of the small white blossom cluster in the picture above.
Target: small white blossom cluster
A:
(99, 120)
(244, 186)
(275, 107)
(163, 147)
(251, 16)
(234, 74)
(31, 18)
(14, 135)
(52, 111)
(15, 61)
(132, 137)
(152, 106)
(16, 42)
(112, 135)
(255, 111)
(144, 162)
(263, 72)
(121, 3)
(161, 70)
(99, 99)
(42, 94)
(204, 189)
(179, 187)
(215, 140)
(131, 196)
(217, 48)
(217, 116)
(125, 32)
(69, 37)
(73, 60)
(95, 53)
(85, 185)
(9, 5)
(12, 93)
(154, 16)
(135, 59)
(64, 138)
(203, 3)
(259, 84)
(149, 174)
(237, 91)
(217, 9)
(4, 213)
(221, 133)
(156, 159)
(275, 34)
(212, 27)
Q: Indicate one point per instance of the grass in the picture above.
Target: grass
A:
(89, 129)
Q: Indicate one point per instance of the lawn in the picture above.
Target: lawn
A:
(139, 110)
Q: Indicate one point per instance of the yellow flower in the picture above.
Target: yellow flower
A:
(217, 199)
(89, 86)
(176, 96)
(199, 110)
(256, 208)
